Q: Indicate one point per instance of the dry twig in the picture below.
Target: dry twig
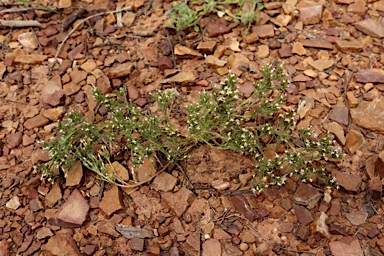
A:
(75, 28)
(73, 17)
(171, 46)
(149, 5)
(20, 23)
(17, 10)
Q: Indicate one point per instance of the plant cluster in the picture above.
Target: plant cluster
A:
(185, 17)
(221, 118)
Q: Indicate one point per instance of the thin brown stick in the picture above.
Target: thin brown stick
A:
(75, 28)
(17, 10)
(101, 191)
(185, 176)
(149, 5)
(171, 45)
(2, 44)
(20, 23)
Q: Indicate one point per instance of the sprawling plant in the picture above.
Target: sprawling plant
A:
(256, 126)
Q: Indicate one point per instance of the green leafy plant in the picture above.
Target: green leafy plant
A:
(255, 126)
(184, 17)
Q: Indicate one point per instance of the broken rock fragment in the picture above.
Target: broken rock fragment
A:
(346, 246)
(207, 47)
(354, 141)
(303, 215)
(238, 63)
(370, 114)
(120, 70)
(348, 181)
(27, 40)
(357, 218)
(337, 130)
(320, 226)
(36, 122)
(13, 203)
(73, 212)
(185, 52)
(31, 59)
(214, 62)
(349, 46)
(75, 175)
(307, 195)
(14, 140)
(375, 75)
(61, 244)
(243, 207)
(211, 247)
(317, 43)
(179, 201)
(339, 115)
(52, 93)
(264, 31)
(164, 63)
(311, 14)
(371, 27)
(182, 78)
(111, 201)
(54, 195)
(164, 182)
(217, 28)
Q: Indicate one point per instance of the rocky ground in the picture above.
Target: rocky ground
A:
(333, 54)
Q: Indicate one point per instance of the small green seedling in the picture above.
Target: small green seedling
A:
(184, 17)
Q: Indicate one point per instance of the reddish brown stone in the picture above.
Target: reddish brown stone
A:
(375, 186)
(217, 28)
(62, 245)
(371, 27)
(14, 140)
(4, 248)
(285, 52)
(36, 122)
(339, 115)
(375, 75)
(349, 46)
(112, 201)
(104, 85)
(346, 246)
(311, 14)
(335, 207)
(137, 244)
(242, 206)
(348, 181)
(317, 43)
(120, 70)
(164, 63)
(89, 249)
(73, 212)
(264, 31)
(337, 230)
(307, 195)
(76, 53)
(303, 215)
(179, 201)
(302, 232)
